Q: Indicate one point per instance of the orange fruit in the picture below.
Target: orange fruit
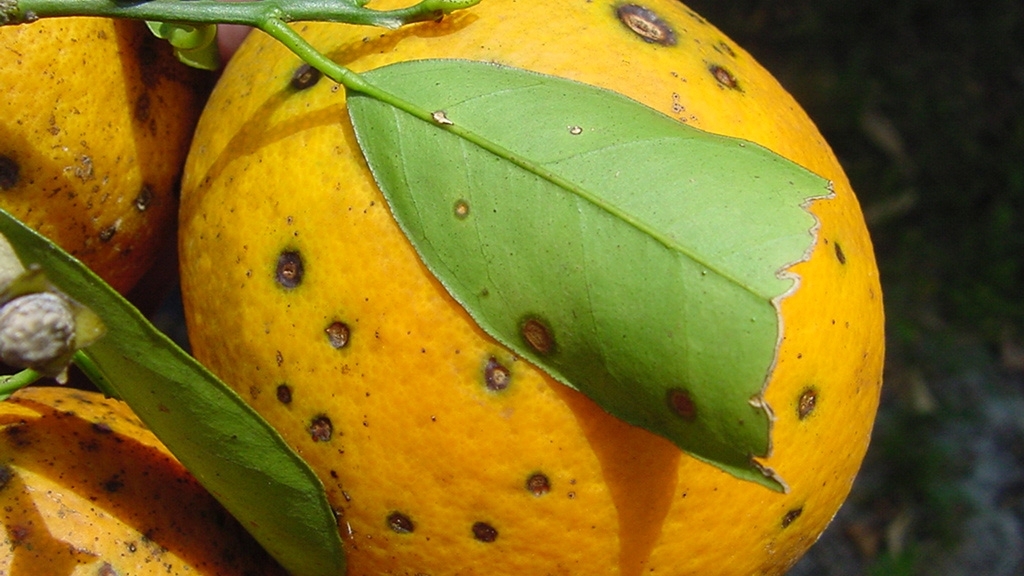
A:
(95, 124)
(442, 452)
(86, 489)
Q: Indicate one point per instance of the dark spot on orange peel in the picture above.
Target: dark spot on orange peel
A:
(284, 394)
(538, 484)
(10, 172)
(484, 532)
(646, 24)
(337, 334)
(840, 255)
(321, 429)
(107, 234)
(791, 516)
(400, 523)
(724, 77)
(144, 199)
(5, 476)
(289, 269)
(496, 376)
(682, 404)
(807, 402)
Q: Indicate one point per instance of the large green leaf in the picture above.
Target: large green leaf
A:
(229, 448)
(632, 257)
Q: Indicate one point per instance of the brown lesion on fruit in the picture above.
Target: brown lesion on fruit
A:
(144, 198)
(840, 255)
(107, 234)
(646, 24)
(537, 335)
(538, 484)
(6, 474)
(284, 394)
(321, 429)
(497, 376)
(791, 516)
(83, 169)
(400, 523)
(305, 76)
(10, 172)
(681, 403)
(113, 484)
(723, 48)
(461, 209)
(484, 532)
(338, 334)
(807, 402)
(143, 107)
(724, 77)
(290, 269)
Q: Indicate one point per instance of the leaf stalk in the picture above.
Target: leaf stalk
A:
(250, 13)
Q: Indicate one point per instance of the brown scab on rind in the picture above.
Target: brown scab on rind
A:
(791, 516)
(321, 429)
(290, 269)
(5, 476)
(538, 484)
(10, 172)
(484, 532)
(284, 394)
(337, 334)
(724, 77)
(144, 198)
(646, 24)
(400, 523)
(807, 402)
(496, 375)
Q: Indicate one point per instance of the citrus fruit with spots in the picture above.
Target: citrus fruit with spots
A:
(441, 451)
(95, 124)
(86, 489)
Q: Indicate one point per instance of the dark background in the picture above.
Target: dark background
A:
(923, 102)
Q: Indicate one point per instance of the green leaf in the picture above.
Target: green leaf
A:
(631, 257)
(229, 448)
(194, 44)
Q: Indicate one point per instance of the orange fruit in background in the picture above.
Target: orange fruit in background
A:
(85, 488)
(95, 124)
(441, 451)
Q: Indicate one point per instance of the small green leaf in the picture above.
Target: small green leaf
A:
(194, 44)
(630, 256)
(229, 448)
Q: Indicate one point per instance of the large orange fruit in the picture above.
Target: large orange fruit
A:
(85, 488)
(95, 123)
(443, 453)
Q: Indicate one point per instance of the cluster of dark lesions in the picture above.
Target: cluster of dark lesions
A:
(537, 484)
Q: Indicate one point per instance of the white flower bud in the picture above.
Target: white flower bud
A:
(38, 331)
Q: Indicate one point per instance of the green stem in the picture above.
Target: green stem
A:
(284, 34)
(250, 13)
(14, 382)
(84, 363)
(270, 16)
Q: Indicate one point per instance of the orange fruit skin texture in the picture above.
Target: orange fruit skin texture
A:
(95, 123)
(86, 489)
(430, 470)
